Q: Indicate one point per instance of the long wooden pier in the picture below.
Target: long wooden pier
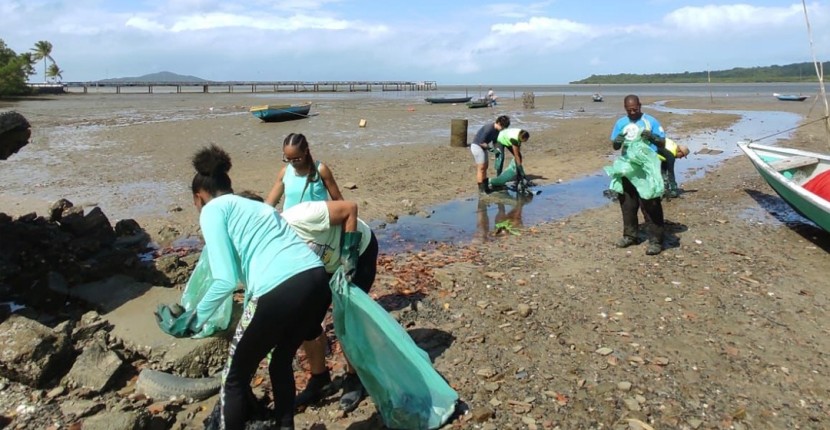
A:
(250, 86)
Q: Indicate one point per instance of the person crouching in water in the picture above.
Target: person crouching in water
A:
(668, 154)
(286, 289)
(335, 233)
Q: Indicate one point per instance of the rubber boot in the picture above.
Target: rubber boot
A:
(314, 389)
(350, 252)
(629, 237)
(353, 393)
(673, 191)
(655, 240)
(484, 187)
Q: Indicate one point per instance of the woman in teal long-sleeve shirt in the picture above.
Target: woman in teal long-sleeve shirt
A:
(286, 287)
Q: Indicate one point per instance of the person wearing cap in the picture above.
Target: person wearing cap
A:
(667, 155)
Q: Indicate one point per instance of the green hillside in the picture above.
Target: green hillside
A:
(157, 77)
(798, 72)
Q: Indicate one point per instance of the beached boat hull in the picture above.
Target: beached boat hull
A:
(789, 97)
(278, 113)
(597, 97)
(480, 103)
(786, 171)
(439, 100)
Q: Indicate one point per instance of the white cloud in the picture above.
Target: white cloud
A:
(722, 18)
(537, 34)
(145, 24)
(516, 10)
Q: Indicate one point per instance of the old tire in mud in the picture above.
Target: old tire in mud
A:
(14, 133)
(161, 386)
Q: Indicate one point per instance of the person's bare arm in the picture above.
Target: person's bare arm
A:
(277, 190)
(517, 154)
(328, 180)
(343, 212)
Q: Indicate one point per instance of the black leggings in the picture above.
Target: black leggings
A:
(367, 266)
(275, 321)
(364, 277)
(667, 166)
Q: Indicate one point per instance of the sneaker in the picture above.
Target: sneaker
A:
(314, 390)
(353, 393)
(625, 242)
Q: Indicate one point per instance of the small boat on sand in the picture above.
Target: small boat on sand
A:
(278, 113)
(437, 100)
(789, 97)
(597, 97)
(801, 178)
(479, 103)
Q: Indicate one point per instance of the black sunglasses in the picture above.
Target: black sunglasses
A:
(293, 160)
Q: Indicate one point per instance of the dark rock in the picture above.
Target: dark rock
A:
(58, 208)
(94, 368)
(15, 131)
(30, 353)
(127, 227)
(126, 420)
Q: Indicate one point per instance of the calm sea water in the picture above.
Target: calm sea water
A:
(479, 90)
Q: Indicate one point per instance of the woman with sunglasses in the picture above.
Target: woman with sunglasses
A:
(302, 179)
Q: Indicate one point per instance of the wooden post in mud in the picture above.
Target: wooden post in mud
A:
(458, 133)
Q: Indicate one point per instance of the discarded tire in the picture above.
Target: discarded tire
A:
(161, 386)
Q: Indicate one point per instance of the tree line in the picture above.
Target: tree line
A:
(797, 72)
(15, 68)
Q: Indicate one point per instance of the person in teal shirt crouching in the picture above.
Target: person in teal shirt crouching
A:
(286, 289)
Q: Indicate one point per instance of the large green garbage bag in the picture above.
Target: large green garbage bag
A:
(640, 165)
(196, 288)
(397, 374)
(506, 176)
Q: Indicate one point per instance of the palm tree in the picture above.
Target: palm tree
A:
(43, 51)
(27, 63)
(54, 72)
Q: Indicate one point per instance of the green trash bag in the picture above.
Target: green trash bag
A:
(196, 288)
(506, 176)
(638, 163)
(397, 374)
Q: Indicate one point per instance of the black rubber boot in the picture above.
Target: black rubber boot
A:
(483, 188)
(655, 240)
(314, 390)
(353, 393)
(674, 191)
(629, 238)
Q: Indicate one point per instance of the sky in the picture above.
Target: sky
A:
(450, 41)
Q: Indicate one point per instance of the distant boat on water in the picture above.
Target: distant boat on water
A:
(437, 100)
(279, 113)
(789, 97)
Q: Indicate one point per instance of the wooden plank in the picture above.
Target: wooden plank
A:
(793, 162)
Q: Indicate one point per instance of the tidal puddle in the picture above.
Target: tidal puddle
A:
(474, 219)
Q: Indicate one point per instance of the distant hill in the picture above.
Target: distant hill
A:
(797, 72)
(157, 77)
